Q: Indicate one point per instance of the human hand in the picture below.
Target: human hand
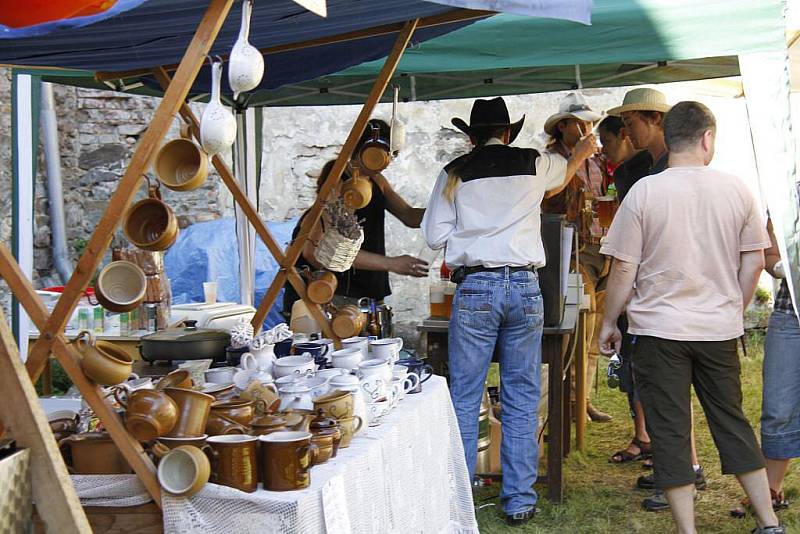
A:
(408, 266)
(610, 339)
(585, 148)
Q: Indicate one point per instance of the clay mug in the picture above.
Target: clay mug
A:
(324, 443)
(179, 378)
(337, 404)
(181, 165)
(322, 287)
(375, 154)
(386, 349)
(93, 453)
(348, 321)
(285, 459)
(184, 470)
(350, 426)
(234, 461)
(219, 425)
(120, 286)
(265, 396)
(356, 192)
(193, 410)
(238, 411)
(148, 413)
(150, 224)
(103, 362)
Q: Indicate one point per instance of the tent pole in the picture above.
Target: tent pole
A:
(174, 96)
(314, 213)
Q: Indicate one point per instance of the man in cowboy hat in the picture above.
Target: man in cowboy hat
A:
(642, 112)
(485, 209)
(565, 128)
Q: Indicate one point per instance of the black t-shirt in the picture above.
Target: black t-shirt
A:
(636, 168)
(355, 282)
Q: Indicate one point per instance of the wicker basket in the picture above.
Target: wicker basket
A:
(336, 252)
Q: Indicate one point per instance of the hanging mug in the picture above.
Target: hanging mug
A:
(356, 192)
(150, 224)
(181, 165)
(374, 155)
(321, 287)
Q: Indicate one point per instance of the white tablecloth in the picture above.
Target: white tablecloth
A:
(406, 475)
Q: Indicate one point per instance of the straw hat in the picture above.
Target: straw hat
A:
(572, 106)
(642, 99)
(487, 115)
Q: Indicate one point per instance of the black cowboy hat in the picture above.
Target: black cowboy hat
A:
(488, 115)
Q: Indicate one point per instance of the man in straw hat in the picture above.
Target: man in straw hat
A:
(576, 201)
(688, 247)
(642, 112)
(484, 209)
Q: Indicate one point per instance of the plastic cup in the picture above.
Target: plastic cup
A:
(210, 292)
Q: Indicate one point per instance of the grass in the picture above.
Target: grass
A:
(600, 497)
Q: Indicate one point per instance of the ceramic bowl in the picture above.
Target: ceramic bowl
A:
(348, 358)
(297, 365)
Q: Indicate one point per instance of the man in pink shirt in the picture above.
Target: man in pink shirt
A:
(688, 247)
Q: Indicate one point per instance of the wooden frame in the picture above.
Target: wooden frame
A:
(52, 325)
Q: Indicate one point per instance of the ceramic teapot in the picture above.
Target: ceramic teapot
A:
(217, 125)
(246, 64)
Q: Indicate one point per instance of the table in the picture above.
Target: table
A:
(406, 475)
(555, 341)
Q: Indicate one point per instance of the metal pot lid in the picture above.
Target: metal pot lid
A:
(190, 332)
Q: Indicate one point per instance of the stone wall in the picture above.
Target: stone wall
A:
(99, 130)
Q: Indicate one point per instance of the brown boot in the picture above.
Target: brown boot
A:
(596, 415)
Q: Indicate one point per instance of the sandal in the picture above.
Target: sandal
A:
(779, 502)
(624, 455)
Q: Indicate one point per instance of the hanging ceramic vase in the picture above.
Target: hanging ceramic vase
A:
(246, 64)
(217, 126)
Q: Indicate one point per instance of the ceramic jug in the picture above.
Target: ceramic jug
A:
(246, 64)
(261, 358)
(217, 126)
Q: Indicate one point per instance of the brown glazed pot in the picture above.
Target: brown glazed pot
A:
(193, 410)
(239, 410)
(285, 459)
(322, 287)
(184, 471)
(103, 362)
(120, 286)
(150, 224)
(181, 165)
(94, 454)
(234, 461)
(180, 378)
(266, 424)
(148, 413)
(219, 425)
(348, 321)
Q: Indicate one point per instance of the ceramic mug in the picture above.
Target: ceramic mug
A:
(337, 404)
(150, 224)
(120, 286)
(298, 365)
(356, 192)
(321, 287)
(220, 375)
(376, 378)
(358, 342)
(325, 447)
(402, 372)
(376, 411)
(283, 348)
(386, 349)
(350, 426)
(419, 368)
(285, 458)
(148, 413)
(181, 165)
(184, 471)
(103, 362)
(402, 386)
(347, 358)
(348, 321)
(193, 410)
(234, 461)
(168, 444)
(94, 454)
(179, 378)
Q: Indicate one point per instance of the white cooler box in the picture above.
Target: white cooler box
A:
(220, 315)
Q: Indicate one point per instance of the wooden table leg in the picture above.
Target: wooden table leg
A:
(552, 353)
(566, 413)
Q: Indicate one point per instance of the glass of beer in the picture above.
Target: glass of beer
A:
(606, 207)
(449, 293)
(438, 308)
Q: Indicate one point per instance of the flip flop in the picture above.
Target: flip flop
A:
(625, 456)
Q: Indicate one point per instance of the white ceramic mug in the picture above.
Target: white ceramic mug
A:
(376, 411)
(221, 375)
(402, 372)
(360, 343)
(386, 349)
(302, 365)
(347, 358)
(375, 378)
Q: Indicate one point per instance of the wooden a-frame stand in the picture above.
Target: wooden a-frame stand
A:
(61, 499)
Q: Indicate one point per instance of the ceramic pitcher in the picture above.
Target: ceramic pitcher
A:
(246, 64)
(217, 126)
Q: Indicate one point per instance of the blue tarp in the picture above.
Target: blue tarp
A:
(207, 252)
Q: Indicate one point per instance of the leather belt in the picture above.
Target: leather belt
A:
(482, 269)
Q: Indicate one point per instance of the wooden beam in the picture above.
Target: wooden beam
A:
(581, 381)
(70, 360)
(457, 15)
(24, 418)
(313, 215)
(149, 143)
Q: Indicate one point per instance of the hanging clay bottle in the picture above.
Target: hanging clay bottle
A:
(246, 64)
(217, 126)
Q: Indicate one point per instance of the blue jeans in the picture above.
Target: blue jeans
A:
(500, 309)
(780, 405)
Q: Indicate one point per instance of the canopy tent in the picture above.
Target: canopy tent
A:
(628, 43)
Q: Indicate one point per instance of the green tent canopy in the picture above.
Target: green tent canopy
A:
(630, 42)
